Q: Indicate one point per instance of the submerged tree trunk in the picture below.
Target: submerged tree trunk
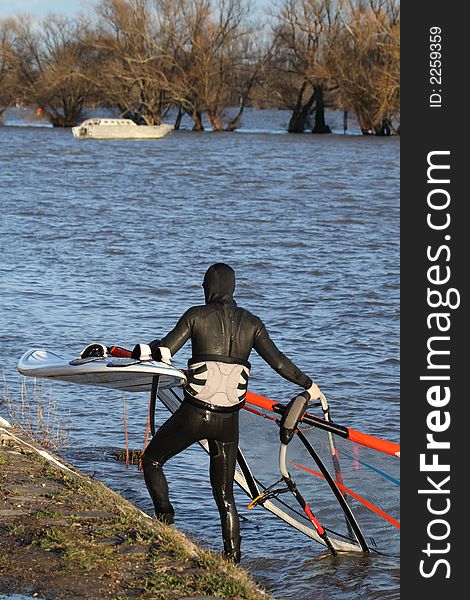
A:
(235, 122)
(320, 124)
(301, 111)
(196, 116)
(133, 115)
(179, 118)
(364, 123)
(215, 120)
(384, 128)
(69, 119)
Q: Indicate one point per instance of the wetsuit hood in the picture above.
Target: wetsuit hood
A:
(219, 283)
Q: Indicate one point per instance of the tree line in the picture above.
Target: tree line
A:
(143, 58)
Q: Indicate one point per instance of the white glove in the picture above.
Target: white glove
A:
(142, 352)
(314, 392)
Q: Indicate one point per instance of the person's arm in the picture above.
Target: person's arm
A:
(268, 350)
(165, 348)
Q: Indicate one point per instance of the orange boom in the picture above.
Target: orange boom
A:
(359, 437)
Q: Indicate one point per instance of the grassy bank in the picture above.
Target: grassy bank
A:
(65, 535)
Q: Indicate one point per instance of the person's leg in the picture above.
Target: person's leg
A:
(222, 471)
(175, 435)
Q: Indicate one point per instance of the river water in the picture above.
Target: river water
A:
(109, 240)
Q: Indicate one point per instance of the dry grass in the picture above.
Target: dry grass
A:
(35, 412)
(133, 456)
(124, 418)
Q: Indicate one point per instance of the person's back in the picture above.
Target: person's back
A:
(222, 331)
(219, 329)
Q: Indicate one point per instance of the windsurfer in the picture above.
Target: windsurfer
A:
(222, 336)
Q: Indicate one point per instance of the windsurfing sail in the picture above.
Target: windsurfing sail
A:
(370, 484)
(313, 470)
(365, 470)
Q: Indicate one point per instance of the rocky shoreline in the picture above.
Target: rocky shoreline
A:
(65, 535)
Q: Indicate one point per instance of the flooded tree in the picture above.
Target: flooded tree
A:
(251, 75)
(215, 61)
(8, 68)
(183, 22)
(54, 67)
(133, 45)
(301, 29)
(363, 63)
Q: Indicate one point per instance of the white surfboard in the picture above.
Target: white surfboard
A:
(125, 374)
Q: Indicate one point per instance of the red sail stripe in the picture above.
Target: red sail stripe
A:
(366, 503)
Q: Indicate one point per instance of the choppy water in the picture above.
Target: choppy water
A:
(108, 241)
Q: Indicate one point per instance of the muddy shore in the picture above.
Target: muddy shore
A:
(65, 535)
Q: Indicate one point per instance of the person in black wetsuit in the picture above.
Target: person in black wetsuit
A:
(222, 336)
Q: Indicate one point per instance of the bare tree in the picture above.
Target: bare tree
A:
(233, 63)
(134, 49)
(54, 67)
(183, 23)
(302, 29)
(252, 74)
(7, 65)
(363, 64)
(214, 61)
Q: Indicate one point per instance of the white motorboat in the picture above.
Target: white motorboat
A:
(119, 129)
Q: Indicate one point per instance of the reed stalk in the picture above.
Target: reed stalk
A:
(36, 413)
(124, 416)
(147, 433)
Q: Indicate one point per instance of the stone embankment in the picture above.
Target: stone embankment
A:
(64, 535)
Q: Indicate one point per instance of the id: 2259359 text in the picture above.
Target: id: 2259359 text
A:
(435, 67)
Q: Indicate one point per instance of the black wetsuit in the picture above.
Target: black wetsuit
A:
(221, 334)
